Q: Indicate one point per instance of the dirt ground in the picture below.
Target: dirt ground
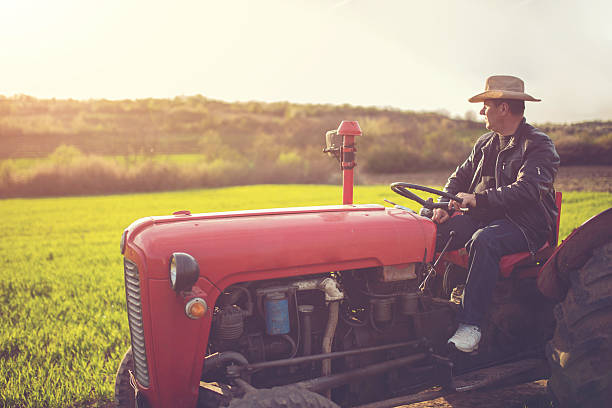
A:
(506, 397)
(574, 178)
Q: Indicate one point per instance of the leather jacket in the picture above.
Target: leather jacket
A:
(524, 174)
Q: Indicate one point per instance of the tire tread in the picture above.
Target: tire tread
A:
(580, 352)
(283, 397)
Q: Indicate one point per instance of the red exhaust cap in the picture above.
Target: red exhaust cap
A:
(349, 128)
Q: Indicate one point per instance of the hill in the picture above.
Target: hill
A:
(236, 143)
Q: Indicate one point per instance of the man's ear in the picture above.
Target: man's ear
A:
(504, 108)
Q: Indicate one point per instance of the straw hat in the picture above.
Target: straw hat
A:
(503, 87)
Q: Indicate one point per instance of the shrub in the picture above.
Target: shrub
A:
(393, 159)
(573, 151)
(65, 155)
(7, 171)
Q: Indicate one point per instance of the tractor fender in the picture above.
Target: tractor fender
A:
(574, 251)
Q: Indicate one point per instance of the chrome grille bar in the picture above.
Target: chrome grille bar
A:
(134, 310)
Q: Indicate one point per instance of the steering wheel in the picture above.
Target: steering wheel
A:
(402, 189)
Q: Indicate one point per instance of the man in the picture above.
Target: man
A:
(507, 185)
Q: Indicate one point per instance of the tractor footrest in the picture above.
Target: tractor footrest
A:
(469, 381)
(487, 376)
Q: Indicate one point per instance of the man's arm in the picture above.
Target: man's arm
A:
(461, 178)
(459, 181)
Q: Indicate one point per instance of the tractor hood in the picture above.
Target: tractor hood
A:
(240, 246)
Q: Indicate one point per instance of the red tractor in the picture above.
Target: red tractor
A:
(349, 305)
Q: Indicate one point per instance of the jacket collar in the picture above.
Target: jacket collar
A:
(517, 134)
(514, 138)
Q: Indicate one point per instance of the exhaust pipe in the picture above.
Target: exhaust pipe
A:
(348, 130)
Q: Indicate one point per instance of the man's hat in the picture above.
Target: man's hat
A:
(503, 87)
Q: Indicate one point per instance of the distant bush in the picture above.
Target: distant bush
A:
(69, 172)
(65, 154)
(587, 143)
(7, 174)
(394, 159)
(576, 151)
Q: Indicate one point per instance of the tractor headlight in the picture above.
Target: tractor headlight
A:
(184, 271)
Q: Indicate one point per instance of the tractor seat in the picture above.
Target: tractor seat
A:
(521, 264)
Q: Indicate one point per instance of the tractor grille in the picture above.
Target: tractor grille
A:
(132, 292)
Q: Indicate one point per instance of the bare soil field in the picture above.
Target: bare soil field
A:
(571, 178)
(505, 397)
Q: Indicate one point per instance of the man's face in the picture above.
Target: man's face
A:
(491, 112)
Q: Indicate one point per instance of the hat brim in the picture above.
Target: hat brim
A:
(481, 97)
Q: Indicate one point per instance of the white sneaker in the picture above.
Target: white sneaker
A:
(466, 338)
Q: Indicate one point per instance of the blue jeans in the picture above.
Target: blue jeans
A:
(485, 244)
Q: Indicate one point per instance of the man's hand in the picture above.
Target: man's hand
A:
(467, 200)
(440, 215)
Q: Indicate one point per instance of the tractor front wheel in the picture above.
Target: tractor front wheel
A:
(282, 397)
(580, 352)
(124, 393)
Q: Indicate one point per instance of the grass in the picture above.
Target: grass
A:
(64, 328)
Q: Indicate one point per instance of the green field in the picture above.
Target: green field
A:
(64, 328)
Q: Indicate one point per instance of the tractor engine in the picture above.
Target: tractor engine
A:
(281, 320)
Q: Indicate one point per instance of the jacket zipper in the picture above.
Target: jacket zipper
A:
(497, 180)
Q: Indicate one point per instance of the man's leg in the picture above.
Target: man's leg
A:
(485, 249)
(464, 226)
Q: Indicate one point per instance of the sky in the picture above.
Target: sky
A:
(406, 54)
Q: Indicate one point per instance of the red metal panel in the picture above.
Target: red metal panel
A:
(175, 344)
(179, 344)
(233, 247)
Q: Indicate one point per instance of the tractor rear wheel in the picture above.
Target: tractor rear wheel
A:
(124, 393)
(580, 352)
(283, 397)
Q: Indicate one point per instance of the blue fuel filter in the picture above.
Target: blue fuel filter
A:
(277, 313)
